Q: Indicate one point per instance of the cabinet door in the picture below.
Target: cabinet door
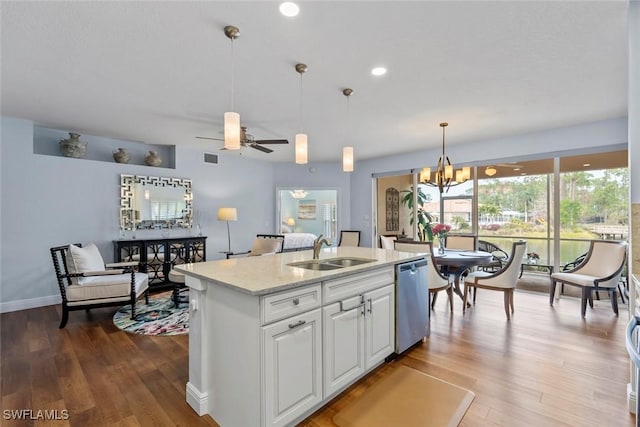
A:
(379, 325)
(343, 328)
(292, 367)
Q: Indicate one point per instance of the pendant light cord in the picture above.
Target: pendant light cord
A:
(232, 73)
(301, 107)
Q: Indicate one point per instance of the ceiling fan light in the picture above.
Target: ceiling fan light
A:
(347, 159)
(301, 149)
(231, 131)
(490, 171)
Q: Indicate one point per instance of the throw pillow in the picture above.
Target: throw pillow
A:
(86, 258)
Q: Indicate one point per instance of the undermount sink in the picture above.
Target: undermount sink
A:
(331, 263)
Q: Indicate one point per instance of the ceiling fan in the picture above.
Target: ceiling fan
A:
(247, 140)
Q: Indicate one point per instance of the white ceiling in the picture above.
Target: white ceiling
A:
(160, 72)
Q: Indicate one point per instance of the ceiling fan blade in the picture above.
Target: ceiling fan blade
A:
(263, 149)
(213, 139)
(508, 165)
(271, 141)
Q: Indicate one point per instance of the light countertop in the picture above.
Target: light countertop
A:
(266, 274)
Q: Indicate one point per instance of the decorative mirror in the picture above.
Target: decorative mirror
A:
(149, 202)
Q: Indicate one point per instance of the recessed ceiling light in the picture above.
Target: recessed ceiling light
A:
(516, 169)
(586, 164)
(379, 71)
(289, 9)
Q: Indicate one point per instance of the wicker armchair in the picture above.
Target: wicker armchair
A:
(499, 256)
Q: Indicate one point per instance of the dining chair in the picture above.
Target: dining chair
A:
(387, 242)
(349, 238)
(454, 241)
(600, 270)
(503, 280)
(436, 281)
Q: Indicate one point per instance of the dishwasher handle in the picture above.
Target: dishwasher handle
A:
(412, 266)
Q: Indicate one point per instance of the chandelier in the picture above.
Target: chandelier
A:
(444, 176)
(298, 194)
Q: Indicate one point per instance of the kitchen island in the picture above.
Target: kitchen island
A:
(270, 343)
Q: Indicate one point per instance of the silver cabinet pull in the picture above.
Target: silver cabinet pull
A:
(370, 305)
(296, 301)
(295, 325)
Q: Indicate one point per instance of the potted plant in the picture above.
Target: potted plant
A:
(424, 219)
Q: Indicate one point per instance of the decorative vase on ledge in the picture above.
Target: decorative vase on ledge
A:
(152, 159)
(73, 147)
(121, 156)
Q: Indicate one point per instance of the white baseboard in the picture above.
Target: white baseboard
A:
(25, 304)
(197, 400)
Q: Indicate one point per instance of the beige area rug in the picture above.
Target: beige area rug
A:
(407, 398)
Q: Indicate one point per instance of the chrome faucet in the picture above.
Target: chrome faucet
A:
(317, 245)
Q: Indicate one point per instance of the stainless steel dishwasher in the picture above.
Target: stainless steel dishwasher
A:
(412, 304)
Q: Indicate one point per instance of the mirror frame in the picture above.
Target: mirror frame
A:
(279, 190)
(127, 183)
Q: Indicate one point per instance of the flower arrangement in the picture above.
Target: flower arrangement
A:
(533, 255)
(441, 230)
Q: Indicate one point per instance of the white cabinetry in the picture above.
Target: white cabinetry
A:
(358, 329)
(271, 360)
(292, 367)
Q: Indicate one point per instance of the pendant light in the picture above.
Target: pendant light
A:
(231, 119)
(347, 152)
(301, 153)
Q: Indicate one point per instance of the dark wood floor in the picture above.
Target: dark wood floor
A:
(546, 367)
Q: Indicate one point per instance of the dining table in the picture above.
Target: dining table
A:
(459, 261)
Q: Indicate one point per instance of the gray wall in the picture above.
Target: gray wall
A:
(50, 200)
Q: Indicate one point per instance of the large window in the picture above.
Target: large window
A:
(518, 203)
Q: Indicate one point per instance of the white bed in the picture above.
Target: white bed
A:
(298, 241)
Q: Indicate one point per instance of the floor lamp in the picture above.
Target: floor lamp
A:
(228, 214)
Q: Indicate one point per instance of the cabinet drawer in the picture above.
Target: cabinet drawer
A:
(338, 289)
(288, 303)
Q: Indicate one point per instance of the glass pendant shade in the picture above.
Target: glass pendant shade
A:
(301, 149)
(425, 174)
(347, 159)
(448, 172)
(466, 173)
(231, 131)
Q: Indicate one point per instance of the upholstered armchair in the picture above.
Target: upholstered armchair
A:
(85, 281)
(600, 270)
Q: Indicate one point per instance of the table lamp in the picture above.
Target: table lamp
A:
(228, 214)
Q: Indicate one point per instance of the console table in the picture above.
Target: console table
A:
(157, 256)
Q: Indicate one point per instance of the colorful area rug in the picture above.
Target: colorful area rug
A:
(407, 398)
(160, 317)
